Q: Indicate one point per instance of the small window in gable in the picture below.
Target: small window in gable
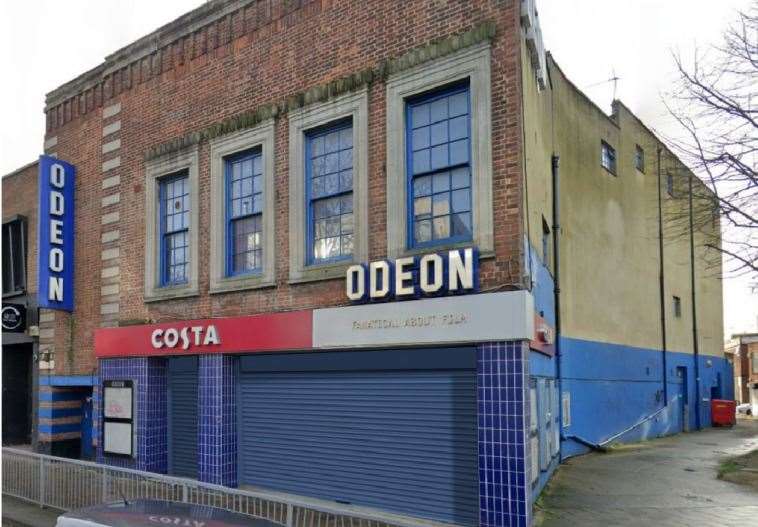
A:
(608, 157)
(670, 185)
(639, 158)
(545, 243)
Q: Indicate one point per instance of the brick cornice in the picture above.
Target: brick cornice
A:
(196, 20)
(329, 90)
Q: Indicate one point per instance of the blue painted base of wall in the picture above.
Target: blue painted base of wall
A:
(613, 387)
(541, 365)
(67, 380)
(60, 411)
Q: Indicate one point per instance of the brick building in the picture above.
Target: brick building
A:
(19, 304)
(307, 259)
(742, 351)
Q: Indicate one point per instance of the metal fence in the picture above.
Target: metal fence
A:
(70, 484)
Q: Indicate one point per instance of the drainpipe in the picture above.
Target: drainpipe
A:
(555, 161)
(661, 286)
(695, 348)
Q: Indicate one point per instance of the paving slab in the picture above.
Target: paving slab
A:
(20, 513)
(664, 482)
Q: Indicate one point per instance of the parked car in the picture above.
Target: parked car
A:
(745, 408)
(153, 513)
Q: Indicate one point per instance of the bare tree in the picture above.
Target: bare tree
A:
(715, 101)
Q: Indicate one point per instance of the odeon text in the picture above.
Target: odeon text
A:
(434, 274)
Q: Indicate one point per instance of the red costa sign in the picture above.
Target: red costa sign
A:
(272, 332)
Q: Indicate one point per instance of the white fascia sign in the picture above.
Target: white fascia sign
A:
(487, 317)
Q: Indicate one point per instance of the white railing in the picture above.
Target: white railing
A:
(71, 484)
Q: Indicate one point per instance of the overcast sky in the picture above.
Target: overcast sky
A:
(45, 43)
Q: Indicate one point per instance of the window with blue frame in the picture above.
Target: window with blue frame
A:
(438, 128)
(174, 225)
(329, 191)
(244, 213)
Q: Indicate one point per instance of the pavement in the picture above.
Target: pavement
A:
(19, 513)
(663, 483)
(667, 482)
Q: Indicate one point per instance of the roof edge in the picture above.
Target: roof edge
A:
(20, 169)
(552, 62)
(187, 23)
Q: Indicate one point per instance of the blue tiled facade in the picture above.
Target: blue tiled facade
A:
(149, 375)
(96, 427)
(503, 417)
(217, 430)
(502, 384)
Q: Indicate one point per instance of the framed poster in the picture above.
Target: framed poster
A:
(118, 418)
(117, 438)
(118, 401)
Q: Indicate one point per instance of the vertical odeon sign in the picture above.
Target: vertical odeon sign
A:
(56, 234)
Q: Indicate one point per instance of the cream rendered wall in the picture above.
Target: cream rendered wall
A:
(609, 235)
(708, 286)
(537, 150)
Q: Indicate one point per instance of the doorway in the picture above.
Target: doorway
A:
(681, 374)
(716, 388)
(182, 416)
(87, 450)
(17, 394)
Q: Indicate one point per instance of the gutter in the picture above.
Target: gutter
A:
(555, 169)
(695, 347)
(661, 286)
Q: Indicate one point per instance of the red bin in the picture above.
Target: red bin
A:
(723, 412)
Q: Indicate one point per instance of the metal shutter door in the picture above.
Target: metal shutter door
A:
(182, 416)
(401, 439)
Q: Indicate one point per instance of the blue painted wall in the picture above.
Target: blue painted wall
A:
(542, 286)
(541, 365)
(613, 387)
(67, 380)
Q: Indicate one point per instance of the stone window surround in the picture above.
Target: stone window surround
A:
(156, 169)
(471, 63)
(301, 120)
(261, 136)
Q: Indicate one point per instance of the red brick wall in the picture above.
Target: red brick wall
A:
(275, 49)
(20, 198)
(751, 351)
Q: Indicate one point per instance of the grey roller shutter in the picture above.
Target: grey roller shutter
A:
(182, 416)
(394, 429)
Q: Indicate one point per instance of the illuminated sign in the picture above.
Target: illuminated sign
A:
(14, 318)
(56, 234)
(456, 271)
